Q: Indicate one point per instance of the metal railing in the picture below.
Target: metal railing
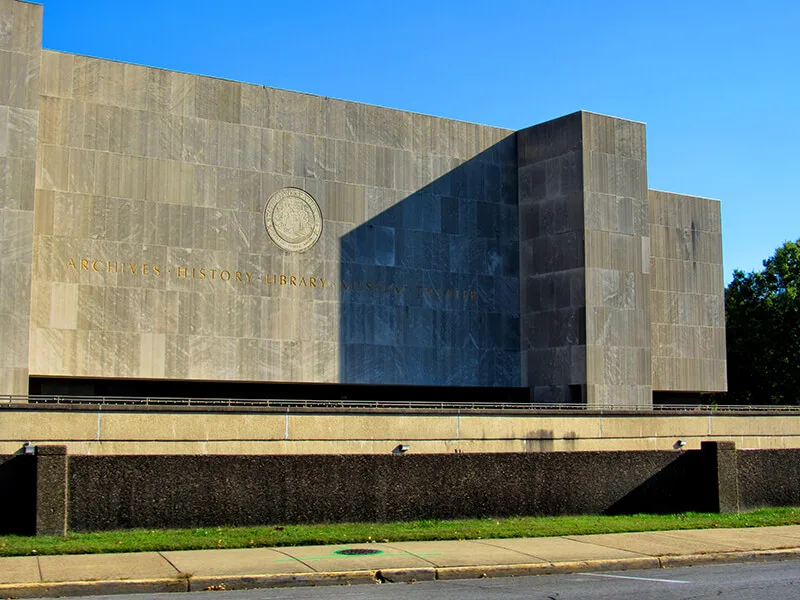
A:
(143, 402)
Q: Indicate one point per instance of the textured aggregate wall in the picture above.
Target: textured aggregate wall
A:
(768, 478)
(153, 260)
(688, 299)
(113, 492)
(20, 50)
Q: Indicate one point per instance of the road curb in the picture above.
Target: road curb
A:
(480, 572)
(688, 560)
(606, 564)
(92, 588)
(410, 575)
(250, 582)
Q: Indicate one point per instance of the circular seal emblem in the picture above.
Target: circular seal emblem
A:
(293, 219)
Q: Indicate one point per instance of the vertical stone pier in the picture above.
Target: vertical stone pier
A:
(20, 62)
(585, 261)
(51, 490)
(723, 474)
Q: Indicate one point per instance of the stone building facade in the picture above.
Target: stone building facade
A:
(166, 227)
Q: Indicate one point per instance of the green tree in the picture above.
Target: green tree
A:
(762, 311)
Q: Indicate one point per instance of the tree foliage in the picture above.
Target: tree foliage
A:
(762, 311)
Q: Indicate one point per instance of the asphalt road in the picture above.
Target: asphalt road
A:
(776, 581)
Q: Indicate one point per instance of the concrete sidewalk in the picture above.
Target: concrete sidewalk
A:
(196, 570)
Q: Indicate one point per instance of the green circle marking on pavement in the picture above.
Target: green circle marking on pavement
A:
(358, 551)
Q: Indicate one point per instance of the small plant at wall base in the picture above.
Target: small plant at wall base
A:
(762, 312)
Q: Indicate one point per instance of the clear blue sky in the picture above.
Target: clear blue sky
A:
(717, 82)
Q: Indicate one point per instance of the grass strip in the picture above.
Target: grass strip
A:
(146, 540)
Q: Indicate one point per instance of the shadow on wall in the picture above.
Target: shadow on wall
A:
(682, 485)
(430, 284)
(17, 495)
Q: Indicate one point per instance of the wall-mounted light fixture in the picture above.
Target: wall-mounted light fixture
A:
(401, 449)
(678, 445)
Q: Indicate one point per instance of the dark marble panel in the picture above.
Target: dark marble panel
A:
(552, 138)
(384, 246)
(487, 217)
(459, 254)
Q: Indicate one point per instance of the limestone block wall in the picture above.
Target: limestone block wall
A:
(20, 50)
(139, 238)
(617, 248)
(152, 258)
(687, 295)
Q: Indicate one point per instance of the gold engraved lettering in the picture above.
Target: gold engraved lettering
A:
(293, 280)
